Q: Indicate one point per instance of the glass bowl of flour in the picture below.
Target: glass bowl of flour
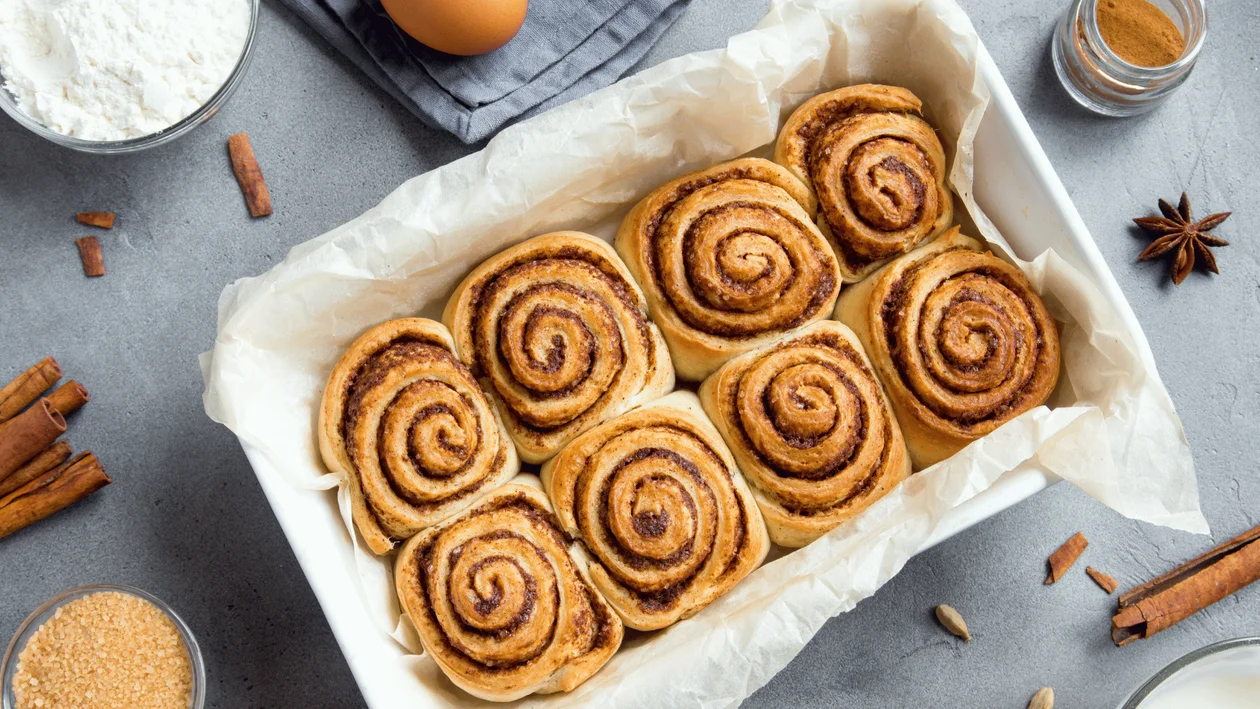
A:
(119, 76)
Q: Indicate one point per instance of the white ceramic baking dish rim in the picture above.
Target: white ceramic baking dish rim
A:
(372, 655)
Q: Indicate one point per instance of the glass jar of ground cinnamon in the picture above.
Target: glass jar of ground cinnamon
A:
(1124, 57)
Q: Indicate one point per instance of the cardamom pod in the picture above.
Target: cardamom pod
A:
(1043, 699)
(952, 621)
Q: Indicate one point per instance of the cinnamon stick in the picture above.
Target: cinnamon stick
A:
(249, 175)
(51, 492)
(90, 254)
(51, 457)
(69, 397)
(28, 433)
(1063, 557)
(1167, 600)
(104, 220)
(26, 388)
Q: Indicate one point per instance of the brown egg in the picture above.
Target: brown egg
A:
(464, 27)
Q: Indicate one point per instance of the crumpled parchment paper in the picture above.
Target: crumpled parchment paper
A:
(1113, 431)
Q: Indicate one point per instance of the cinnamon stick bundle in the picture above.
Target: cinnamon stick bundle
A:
(51, 457)
(26, 388)
(1167, 600)
(28, 433)
(51, 492)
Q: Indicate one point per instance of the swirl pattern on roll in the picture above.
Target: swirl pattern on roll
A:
(500, 604)
(877, 168)
(661, 510)
(412, 429)
(729, 258)
(960, 338)
(810, 428)
(559, 331)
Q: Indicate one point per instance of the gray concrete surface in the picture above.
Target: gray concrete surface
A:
(186, 520)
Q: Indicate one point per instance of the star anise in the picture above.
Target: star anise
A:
(1178, 234)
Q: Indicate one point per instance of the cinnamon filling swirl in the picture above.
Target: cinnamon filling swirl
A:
(810, 428)
(556, 328)
(969, 338)
(877, 168)
(734, 261)
(430, 437)
(876, 183)
(660, 510)
(412, 429)
(500, 604)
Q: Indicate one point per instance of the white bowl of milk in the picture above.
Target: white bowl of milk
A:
(1224, 675)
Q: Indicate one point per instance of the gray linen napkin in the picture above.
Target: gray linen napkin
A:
(565, 49)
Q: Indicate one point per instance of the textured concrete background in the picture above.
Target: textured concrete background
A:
(186, 520)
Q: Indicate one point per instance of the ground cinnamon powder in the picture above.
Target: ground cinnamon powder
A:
(1139, 32)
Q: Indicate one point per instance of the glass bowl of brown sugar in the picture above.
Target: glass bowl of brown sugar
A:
(103, 646)
(1125, 57)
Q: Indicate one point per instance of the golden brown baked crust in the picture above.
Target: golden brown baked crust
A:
(811, 429)
(729, 259)
(413, 432)
(666, 522)
(959, 338)
(498, 602)
(877, 168)
(558, 332)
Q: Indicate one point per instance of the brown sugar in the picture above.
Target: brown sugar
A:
(1139, 32)
(105, 650)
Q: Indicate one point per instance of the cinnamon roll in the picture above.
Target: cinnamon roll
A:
(665, 521)
(729, 258)
(412, 430)
(960, 339)
(498, 602)
(810, 428)
(877, 168)
(558, 330)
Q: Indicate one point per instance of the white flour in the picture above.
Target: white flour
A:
(117, 69)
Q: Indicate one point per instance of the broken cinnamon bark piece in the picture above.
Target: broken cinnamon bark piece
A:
(1105, 582)
(104, 220)
(1063, 557)
(90, 253)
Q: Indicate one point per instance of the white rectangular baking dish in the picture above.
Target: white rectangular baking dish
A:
(1021, 195)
